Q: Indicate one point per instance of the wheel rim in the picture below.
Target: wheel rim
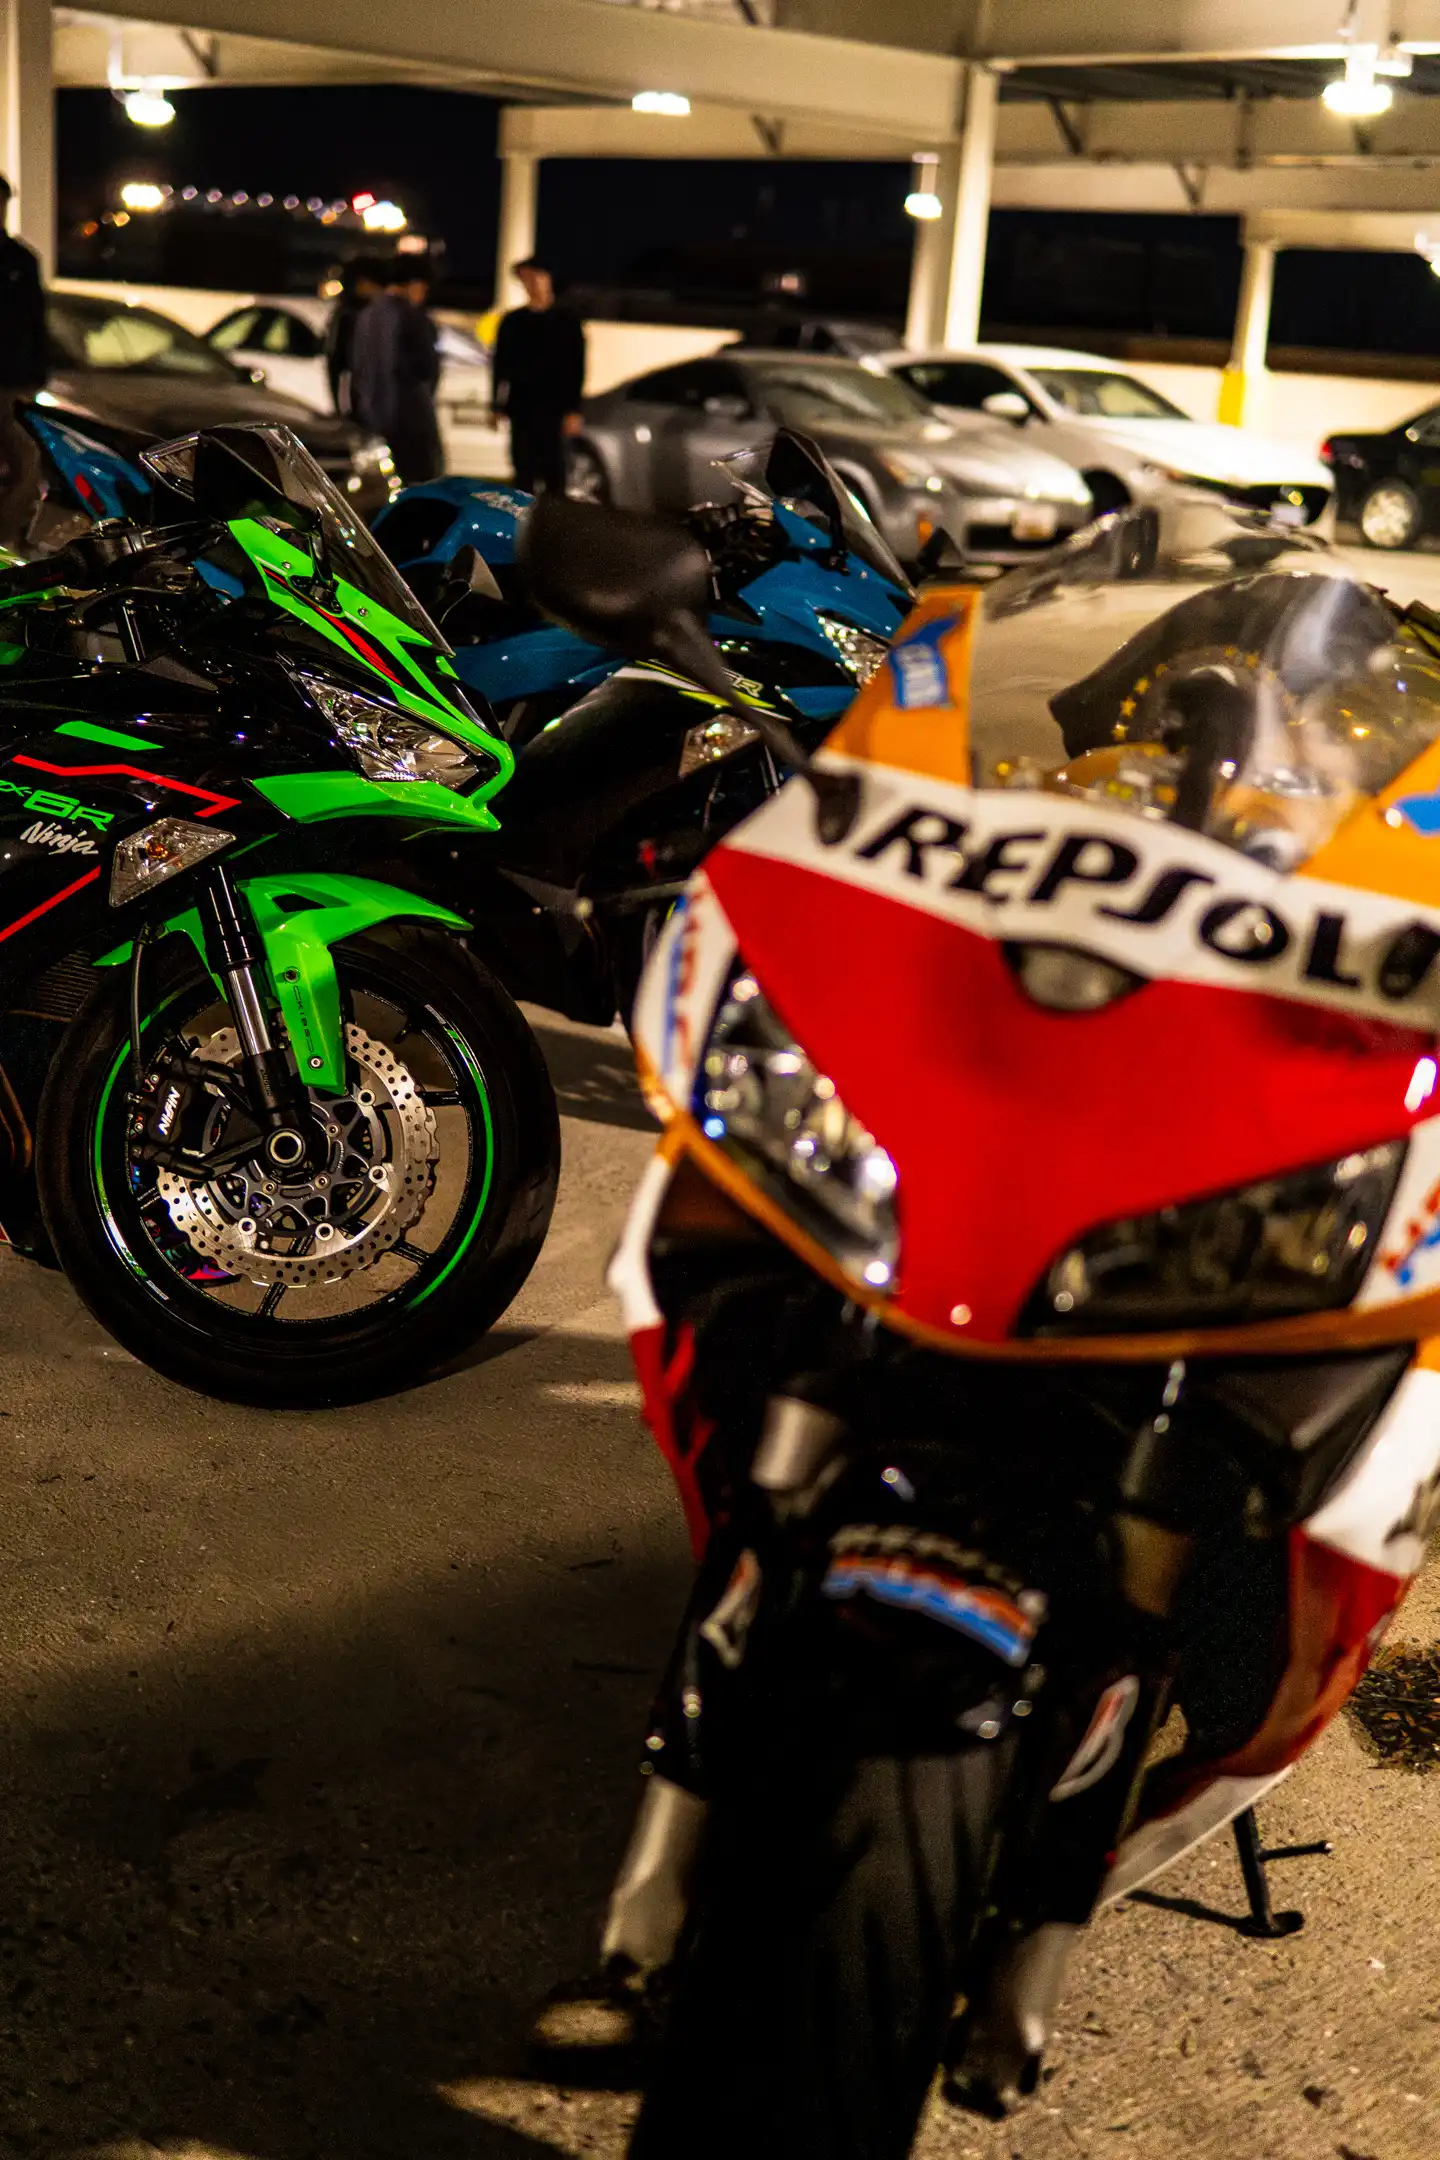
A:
(1387, 517)
(427, 1136)
(585, 482)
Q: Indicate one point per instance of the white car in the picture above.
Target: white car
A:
(284, 339)
(1130, 443)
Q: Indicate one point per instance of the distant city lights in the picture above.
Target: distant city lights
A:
(382, 217)
(143, 195)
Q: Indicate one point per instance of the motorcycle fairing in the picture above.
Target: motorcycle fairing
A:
(301, 917)
(1290, 979)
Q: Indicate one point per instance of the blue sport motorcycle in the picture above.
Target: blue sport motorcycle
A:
(627, 774)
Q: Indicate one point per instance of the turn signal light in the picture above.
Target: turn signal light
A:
(160, 851)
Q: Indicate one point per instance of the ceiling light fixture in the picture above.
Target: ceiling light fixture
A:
(922, 202)
(1356, 95)
(148, 108)
(667, 102)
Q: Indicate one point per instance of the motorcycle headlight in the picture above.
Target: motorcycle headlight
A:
(1287, 1245)
(759, 1098)
(389, 745)
(859, 650)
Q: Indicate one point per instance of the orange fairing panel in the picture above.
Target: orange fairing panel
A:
(914, 713)
(1392, 843)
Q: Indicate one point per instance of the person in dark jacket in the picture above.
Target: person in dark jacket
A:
(24, 366)
(539, 374)
(363, 280)
(394, 370)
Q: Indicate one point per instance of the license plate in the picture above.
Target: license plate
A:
(1036, 521)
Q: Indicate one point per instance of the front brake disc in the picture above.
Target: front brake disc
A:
(322, 1224)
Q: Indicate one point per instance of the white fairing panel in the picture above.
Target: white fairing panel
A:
(1383, 1511)
(680, 989)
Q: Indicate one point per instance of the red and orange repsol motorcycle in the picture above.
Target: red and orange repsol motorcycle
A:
(1036, 1294)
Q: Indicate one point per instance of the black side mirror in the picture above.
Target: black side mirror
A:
(941, 557)
(642, 586)
(798, 469)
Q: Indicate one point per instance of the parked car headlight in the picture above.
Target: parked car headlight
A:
(760, 1098)
(860, 650)
(1286, 1245)
(909, 471)
(373, 456)
(389, 745)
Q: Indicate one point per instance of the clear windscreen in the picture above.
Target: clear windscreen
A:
(1203, 672)
(286, 470)
(794, 470)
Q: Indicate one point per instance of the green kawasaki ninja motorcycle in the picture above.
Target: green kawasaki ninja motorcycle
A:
(288, 1140)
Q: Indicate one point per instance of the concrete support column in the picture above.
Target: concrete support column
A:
(972, 208)
(519, 195)
(27, 122)
(1242, 387)
(947, 269)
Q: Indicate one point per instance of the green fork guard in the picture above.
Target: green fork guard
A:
(297, 941)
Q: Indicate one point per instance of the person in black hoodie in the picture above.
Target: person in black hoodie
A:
(363, 280)
(395, 368)
(23, 369)
(539, 380)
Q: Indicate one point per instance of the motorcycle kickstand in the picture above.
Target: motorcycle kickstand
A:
(1263, 1921)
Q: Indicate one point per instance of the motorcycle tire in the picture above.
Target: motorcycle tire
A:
(812, 2002)
(426, 1025)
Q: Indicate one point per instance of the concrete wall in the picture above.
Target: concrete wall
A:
(1297, 409)
(616, 349)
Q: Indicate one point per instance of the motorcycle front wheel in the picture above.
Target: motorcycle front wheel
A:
(403, 1239)
(812, 2003)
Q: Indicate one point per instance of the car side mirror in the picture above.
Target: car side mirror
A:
(726, 405)
(642, 586)
(1007, 405)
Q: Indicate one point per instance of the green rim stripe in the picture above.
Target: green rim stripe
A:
(484, 1201)
(466, 1241)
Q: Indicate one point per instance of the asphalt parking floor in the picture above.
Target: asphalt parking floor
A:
(320, 1752)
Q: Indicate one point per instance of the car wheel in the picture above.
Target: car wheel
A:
(1390, 516)
(586, 478)
(1106, 492)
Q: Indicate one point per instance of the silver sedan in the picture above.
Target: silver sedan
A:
(652, 443)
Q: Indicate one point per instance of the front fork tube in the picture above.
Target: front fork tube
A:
(648, 1906)
(237, 956)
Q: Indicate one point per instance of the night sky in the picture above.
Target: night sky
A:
(712, 233)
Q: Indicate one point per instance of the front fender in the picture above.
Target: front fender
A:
(300, 917)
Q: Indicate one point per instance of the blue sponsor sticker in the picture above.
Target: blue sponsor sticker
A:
(987, 1615)
(917, 667)
(1421, 811)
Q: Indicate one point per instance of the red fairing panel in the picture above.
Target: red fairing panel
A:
(1003, 1118)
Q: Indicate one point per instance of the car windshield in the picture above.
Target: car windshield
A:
(119, 340)
(821, 393)
(286, 466)
(1102, 394)
(1193, 669)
